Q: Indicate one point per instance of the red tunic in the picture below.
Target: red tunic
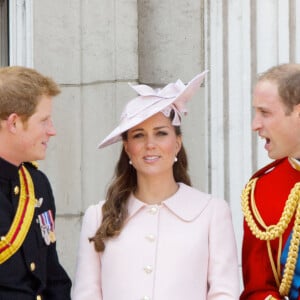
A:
(271, 192)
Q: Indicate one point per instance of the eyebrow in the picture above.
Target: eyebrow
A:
(155, 128)
(261, 107)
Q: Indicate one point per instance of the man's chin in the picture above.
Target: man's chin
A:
(275, 156)
(38, 157)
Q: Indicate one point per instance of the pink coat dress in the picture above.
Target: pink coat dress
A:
(183, 249)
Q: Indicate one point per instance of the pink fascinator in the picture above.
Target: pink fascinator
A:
(151, 101)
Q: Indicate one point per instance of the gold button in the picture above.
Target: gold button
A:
(38, 297)
(16, 190)
(32, 266)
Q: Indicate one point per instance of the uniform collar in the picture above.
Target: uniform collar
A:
(187, 203)
(8, 170)
(295, 163)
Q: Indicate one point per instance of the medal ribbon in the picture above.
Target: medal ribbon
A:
(47, 226)
(12, 241)
(46, 220)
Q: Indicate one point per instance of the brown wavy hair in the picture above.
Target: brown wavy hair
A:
(114, 210)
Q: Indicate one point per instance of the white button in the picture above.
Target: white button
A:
(153, 210)
(146, 298)
(148, 269)
(150, 237)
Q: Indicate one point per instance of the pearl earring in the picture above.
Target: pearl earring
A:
(175, 159)
(130, 162)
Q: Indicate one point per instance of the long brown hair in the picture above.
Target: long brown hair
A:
(114, 210)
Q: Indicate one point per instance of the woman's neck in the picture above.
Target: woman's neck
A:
(155, 191)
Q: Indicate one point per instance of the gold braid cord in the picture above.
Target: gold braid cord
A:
(13, 240)
(275, 231)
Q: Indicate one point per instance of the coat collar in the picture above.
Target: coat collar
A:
(187, 203)
(8, 171)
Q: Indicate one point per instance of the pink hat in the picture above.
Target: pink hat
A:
(151, 101)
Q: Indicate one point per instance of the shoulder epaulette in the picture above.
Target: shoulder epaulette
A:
(32, 164)
(267, 168)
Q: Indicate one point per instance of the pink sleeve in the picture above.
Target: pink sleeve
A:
(223, 275)
(87, 282)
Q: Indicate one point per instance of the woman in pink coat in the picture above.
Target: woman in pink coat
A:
(155, 237)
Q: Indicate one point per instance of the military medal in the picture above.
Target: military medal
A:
(51, 232)
(52, 236)
(46, 222)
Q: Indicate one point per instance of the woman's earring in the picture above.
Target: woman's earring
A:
(175, 159)
(130, 162)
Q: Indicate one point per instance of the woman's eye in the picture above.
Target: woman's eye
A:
(162, 133)
(137, 135)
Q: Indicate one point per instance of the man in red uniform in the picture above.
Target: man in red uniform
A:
(271, 199)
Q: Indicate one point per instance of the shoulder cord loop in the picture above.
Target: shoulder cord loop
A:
(276, 231)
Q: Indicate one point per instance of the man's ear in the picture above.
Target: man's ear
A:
(11, 122)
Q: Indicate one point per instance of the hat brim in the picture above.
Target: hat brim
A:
(152, 107)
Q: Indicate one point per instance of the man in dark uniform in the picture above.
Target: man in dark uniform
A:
(271, 199)
(29, 265)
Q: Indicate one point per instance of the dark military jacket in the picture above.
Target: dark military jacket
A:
(34, 271)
